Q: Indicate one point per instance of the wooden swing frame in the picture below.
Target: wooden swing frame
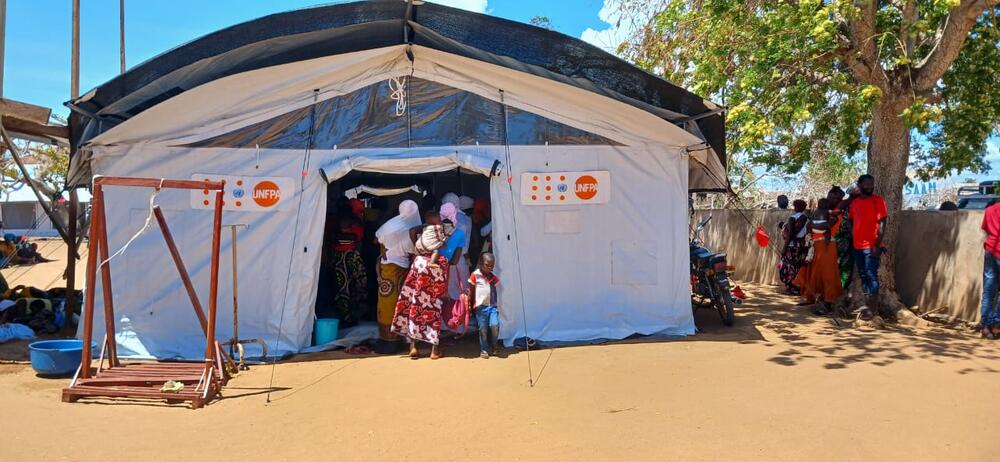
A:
(203, 381)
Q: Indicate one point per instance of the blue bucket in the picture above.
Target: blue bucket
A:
(325, 331)
(56, 357)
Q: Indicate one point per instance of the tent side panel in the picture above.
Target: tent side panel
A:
(279, 255)
(595, 271)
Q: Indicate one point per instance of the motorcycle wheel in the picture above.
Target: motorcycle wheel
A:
(725, 306)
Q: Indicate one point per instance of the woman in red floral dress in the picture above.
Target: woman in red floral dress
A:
(423, 295)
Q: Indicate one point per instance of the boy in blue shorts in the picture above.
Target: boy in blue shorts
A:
(483, 298)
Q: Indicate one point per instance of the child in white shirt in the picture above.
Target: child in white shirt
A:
(483, 298)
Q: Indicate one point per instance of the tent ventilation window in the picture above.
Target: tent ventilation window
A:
(371, 117)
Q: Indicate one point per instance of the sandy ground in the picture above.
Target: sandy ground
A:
(46, 275)
(779, 386)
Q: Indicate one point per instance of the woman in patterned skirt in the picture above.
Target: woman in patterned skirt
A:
(423, 295)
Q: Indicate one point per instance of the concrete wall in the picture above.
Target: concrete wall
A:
(939, 259)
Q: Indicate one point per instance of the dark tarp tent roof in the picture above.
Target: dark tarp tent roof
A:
(344, 28)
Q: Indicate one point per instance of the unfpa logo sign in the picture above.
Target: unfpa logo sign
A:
(566, 188)
(266, 193)
(586, 187)
(247, 193)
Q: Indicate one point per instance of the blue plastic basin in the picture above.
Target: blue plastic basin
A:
(325, 331)
(56, 357)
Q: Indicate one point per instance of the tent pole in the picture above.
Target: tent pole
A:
(3, 39)
(69, 305)
(16, 155)
(74, 85)
(121, 33)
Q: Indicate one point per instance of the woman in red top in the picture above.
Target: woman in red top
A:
(350, 294)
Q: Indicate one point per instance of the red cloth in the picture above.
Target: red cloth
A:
(357, 208)
(457, 315)
(762, 238)
(991, 224)
(866, 212)
(354, 229)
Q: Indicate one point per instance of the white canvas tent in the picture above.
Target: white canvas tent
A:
(606, 263)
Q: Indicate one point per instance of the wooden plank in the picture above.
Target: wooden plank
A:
(137, 381)
(108, 301)
(130, 392)
(91, 283)
(159, 183)
(26, 128)
(25, 111)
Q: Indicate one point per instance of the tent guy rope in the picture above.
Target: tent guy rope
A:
(145, 226)
(517, 250)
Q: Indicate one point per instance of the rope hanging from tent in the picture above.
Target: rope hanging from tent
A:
(397, 85)
(145, 226)
(517, 250)
(295, 232)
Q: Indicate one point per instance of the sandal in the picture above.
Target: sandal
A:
(988, 334)
(822, 311)
(866, 314)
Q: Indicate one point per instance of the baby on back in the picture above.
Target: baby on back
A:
(434, 236)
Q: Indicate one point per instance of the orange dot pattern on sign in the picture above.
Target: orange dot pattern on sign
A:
(205, 202)
(549, 181)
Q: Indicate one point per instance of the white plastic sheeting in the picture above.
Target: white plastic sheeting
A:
(622, 271)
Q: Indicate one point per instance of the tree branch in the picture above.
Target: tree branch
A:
(910, 15)
(861, 53)
(949, 42)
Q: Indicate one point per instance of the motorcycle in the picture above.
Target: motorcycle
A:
(710, 286)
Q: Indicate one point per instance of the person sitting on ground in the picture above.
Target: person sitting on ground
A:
(8, 248)
(434, 236)
(483, 298)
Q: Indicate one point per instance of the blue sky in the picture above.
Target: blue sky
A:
(37, 65)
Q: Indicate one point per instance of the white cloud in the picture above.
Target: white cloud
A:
(478, 6)
(618, 29)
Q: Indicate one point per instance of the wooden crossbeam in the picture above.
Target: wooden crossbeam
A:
(25, 111)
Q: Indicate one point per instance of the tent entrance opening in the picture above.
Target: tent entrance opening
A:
(357, 205)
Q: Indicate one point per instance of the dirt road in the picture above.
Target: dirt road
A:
(779, 386)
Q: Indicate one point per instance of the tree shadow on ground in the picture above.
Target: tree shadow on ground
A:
(843, 343)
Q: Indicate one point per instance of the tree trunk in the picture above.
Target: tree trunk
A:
(888, 158)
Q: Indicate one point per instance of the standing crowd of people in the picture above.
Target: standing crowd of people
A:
(423, 272)
(822, 248)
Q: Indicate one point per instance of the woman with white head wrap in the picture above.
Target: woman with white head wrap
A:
(460, 271)
(398, 247)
